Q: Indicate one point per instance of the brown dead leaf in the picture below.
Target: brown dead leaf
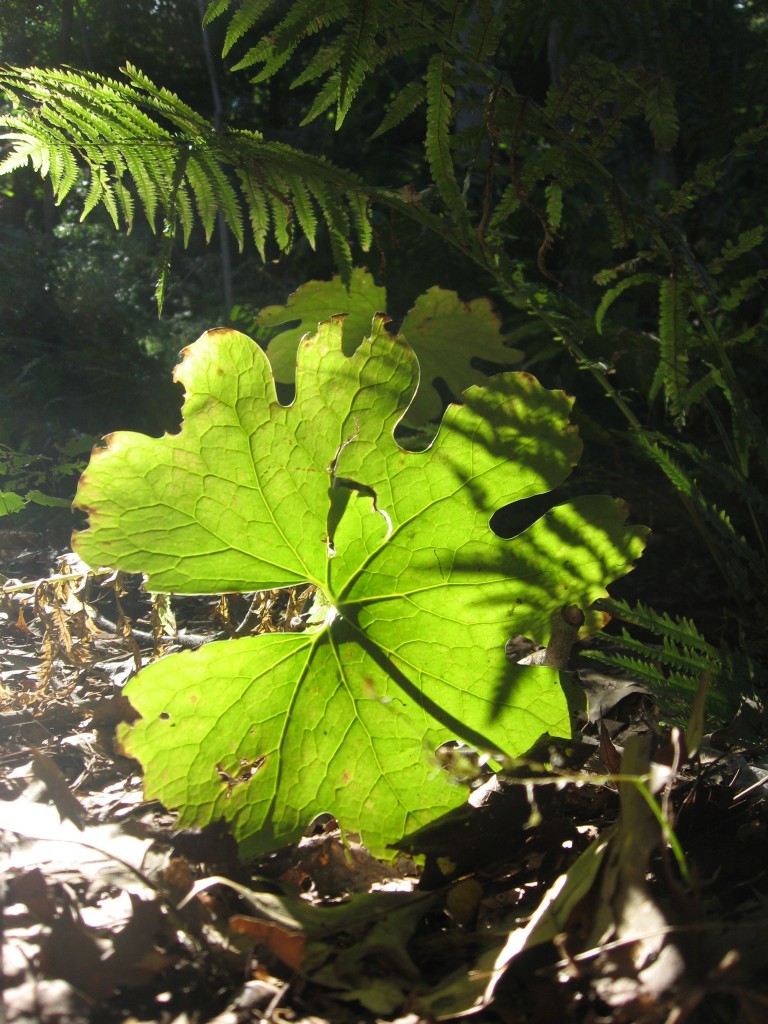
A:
(286, 945)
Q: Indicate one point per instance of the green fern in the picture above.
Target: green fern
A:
(661, 114)
(741, 561)
(410, 97)
(613, 293)
(68, 123)
(673, 669)
(673, 344)
(438, 146)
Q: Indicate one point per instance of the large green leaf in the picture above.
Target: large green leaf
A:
(419, 593)
(315, 302)
(445, 333)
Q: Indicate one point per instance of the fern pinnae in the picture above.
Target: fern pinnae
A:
(700, 388)
(681, 630)
(178, 210)
(360, 210)
(214, 10)
(661, 114)
(673, 343)
(281, 218)
(337, 223)
(303, 208)
(225, 195)
(324, 60)
(97, 190)
(163, 100)
(618, 289)
(267, 54)
(249, 12)
(746, 242)
(356, 41)
(125, 199)
(736, 296)
(305, 18)
(25, 149)
(342, 254)
(405, 103)
(484, 30)
(326, 96)
(258, 209)
(508, 204)
(63, 169)
(438, 144)
(205, 200)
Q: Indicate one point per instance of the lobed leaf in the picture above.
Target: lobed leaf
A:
(445, 333)
(418, 594)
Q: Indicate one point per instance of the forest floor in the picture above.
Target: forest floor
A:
(567, 891)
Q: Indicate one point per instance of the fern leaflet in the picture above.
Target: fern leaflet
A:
(673, 343)
(438, 146)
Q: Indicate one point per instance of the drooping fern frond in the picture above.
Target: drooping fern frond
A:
(138, 143)
(358, 37)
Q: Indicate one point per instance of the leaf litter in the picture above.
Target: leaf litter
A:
(554, 893)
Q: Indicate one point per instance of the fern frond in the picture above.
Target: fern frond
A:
(258, 208)
(661, 114)
(506, 206)
(68, 123)
(613, 293)
(325, 60)
(303, 208)
(438, 145)
(407, 100)
(672, 669)
(673, 343)
(324, 99)
(681, 630)
(746, 242)
(356, 41)
(249, 12)
(739, 292)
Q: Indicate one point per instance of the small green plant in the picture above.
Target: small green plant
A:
(414, 593)
(23, 474)
(673, 669)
